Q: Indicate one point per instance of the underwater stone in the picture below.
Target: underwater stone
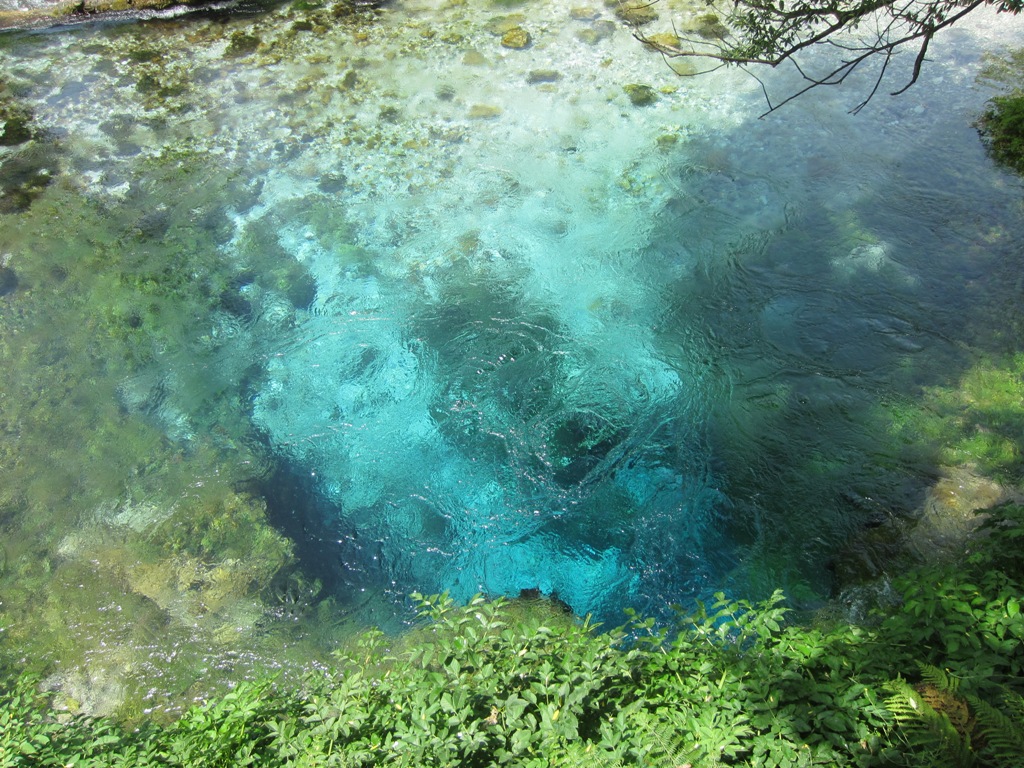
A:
(484, 111)
(147, 84)
(16, 128)
(349, 81)
(499, 25)
(665, 39)
(640, 95)
(331, 183)
(516, 38)
(596, 32)
(636, 14)
(710, 27)
(144, 56)
(389, 114)
(667, 140)
(583, 14)
(8, 281)
(543, 76)
(241, 45)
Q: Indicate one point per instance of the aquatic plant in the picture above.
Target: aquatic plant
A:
(1002, 126)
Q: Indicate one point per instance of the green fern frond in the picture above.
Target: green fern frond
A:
(925, 730)
(1015, 705)
(578, 756)
(940, 678)
(1002, 735)
(671, 748)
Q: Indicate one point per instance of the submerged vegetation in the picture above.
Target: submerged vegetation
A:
(935, 681)
(1003, 125)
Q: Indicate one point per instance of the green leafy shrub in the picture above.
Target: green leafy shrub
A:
(1003, 125)
(492, 683)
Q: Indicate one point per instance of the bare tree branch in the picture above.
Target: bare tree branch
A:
(773, 32)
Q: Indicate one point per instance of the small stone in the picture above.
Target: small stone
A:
(516, 38)
(349, 81)
(390, 114)
(484, 112)
(537, 76)
(636, 14)
(473, 58)
(663, 39)
(499, 25)
(331, 183)
(640, 95)
(596, 32)
(583, 14)
(241, 45)
(710, 27)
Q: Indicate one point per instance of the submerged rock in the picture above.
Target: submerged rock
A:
(662, 39)
(484, 112)
(640, 95)
(709, 26)
(241, 45)
(16, 128)
(635, 13)
(596, 32)
(583, 14)
(516, 38)
(537, 76)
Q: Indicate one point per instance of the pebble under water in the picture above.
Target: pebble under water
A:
(500, 327)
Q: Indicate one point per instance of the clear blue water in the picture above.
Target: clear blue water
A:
(503, 337)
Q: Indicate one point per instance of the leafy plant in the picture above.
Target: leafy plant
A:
(1003, 126)
(518, 683)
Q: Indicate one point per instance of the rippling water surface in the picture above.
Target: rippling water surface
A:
(466, 316)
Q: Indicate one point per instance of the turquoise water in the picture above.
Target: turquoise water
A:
(491, 326)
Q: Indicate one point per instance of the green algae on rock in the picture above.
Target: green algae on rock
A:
(635, 13)
(241, 44)
(640, 95)
(516, 38)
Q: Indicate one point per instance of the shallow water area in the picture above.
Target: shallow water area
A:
(454, 315)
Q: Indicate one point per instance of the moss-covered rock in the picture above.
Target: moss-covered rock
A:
(538, 76)
(581, 13)
(516, 38)
(596, 32)
(636, 13)
(484, 112)
(640, 95)
(709, 26)
(240, 45)
(663, 39)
